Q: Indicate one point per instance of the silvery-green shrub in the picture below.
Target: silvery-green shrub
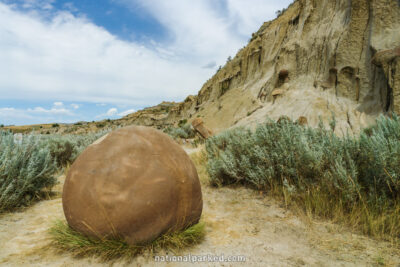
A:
(26, 167)
(300, 157)
(29, 163)
(185, 131)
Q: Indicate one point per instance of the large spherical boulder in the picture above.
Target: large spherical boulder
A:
(135, 183)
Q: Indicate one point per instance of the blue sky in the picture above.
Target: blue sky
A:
(67, 61)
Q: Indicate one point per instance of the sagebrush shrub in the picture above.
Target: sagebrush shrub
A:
(29, 163)
(26, 168)
(184, 131)
(66, 148)
(364, 168)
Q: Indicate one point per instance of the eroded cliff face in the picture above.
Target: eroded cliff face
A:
(320, 57)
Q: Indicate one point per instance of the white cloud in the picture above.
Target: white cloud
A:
(73, 59)
(112, 112)
(57, 109)
(58, 104)
(10, 115)
(200, 32)
(248, 16)
(7, 109)
(126, 112)
(74, 106)
(41, 4)
(209, 30)
(70, 6)
(53, 111)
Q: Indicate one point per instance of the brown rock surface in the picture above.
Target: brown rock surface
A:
(385, 56)
(199, 126)
(136, 183)
(277, 92)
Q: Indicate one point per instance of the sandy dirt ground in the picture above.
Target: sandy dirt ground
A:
(239, 221)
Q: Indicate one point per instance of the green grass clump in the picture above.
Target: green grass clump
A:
(66, 239)
(351, 179)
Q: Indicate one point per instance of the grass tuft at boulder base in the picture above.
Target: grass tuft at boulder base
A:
(64, 238)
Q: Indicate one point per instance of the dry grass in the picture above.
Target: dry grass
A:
(315, 204)
(382, 223)
(65, 238)
(200, 160)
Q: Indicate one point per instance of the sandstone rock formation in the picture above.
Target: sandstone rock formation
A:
(136, 183)
(328, 57)
(199, 126)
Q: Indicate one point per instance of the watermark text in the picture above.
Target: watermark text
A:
(200, 258)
